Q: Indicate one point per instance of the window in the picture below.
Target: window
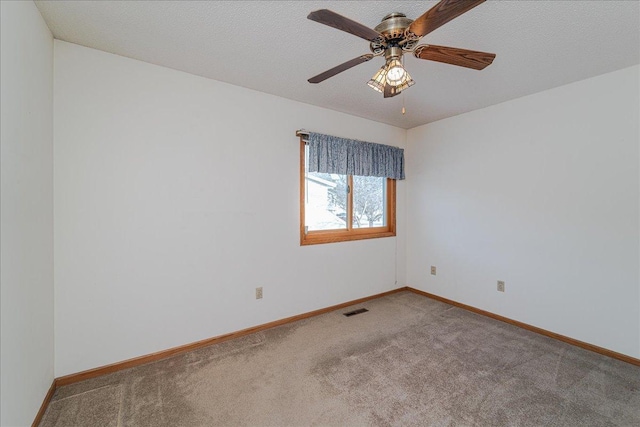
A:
(337, 208)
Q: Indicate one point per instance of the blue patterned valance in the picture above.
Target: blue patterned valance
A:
(331, 154)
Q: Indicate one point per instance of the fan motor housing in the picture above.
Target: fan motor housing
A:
(393, 25)
(392, 28)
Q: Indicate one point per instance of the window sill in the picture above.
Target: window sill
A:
(333, 236)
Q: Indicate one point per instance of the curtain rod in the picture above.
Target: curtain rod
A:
(301, 132)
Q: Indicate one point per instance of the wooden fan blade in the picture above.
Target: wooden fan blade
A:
(454, 56)
(440, 14)
(340, 68)
(332, 19)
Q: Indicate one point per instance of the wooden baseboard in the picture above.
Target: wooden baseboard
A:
(535, 329)
(141, 360)
(45, 404)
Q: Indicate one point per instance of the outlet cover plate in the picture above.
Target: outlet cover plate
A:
(259, 293)
(433, 270)
(500, 286)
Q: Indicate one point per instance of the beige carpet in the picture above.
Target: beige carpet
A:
(408, 361)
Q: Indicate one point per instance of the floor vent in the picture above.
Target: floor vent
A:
(354, 312)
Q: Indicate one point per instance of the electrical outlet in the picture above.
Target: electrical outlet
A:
(433, 270)
(500, 286)
(259, 293)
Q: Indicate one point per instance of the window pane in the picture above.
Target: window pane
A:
(369, 201)
(333, 212)
(325, 201)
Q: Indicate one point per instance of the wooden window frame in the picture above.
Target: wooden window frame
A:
(349, 234)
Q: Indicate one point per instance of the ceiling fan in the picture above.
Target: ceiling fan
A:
(397, 35)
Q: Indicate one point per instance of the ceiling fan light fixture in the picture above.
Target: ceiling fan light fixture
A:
(406, 82)
(395, 72)
(377, 82)
(381, 79)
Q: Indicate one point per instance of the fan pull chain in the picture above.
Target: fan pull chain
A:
(403, 110)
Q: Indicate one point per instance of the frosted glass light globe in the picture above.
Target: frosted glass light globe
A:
(395, 74)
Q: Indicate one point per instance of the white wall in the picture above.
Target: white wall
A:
(176, 196)
(26, 225)
(543, 193)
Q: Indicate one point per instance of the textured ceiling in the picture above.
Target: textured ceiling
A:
(270, 46)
